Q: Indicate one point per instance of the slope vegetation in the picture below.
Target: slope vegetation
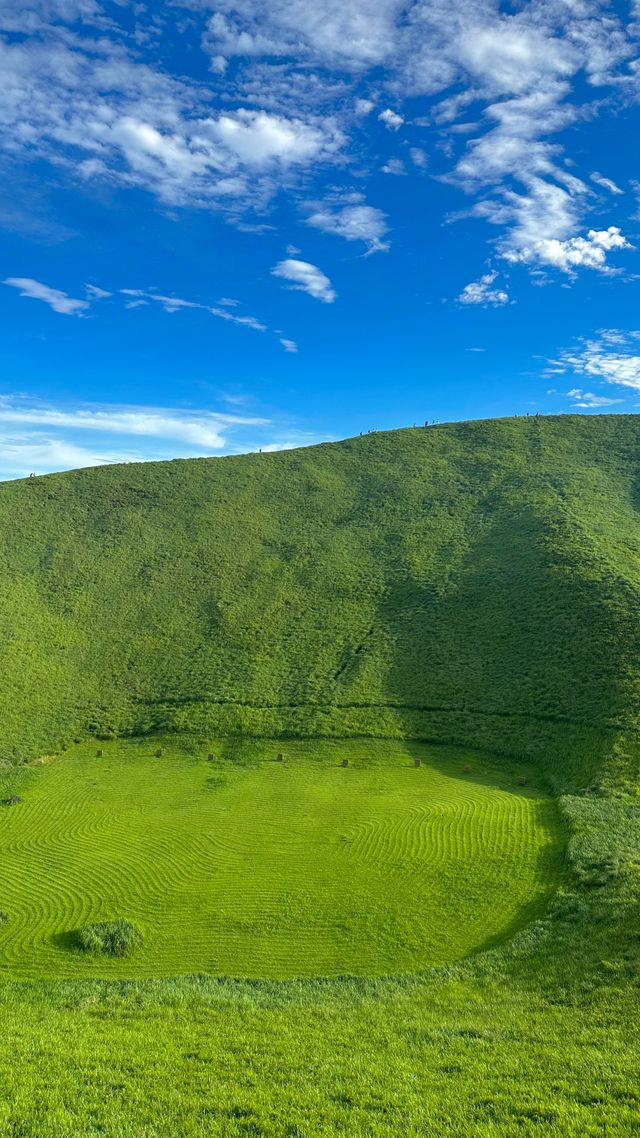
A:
(476, 582)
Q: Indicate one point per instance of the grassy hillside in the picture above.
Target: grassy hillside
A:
(476, 582)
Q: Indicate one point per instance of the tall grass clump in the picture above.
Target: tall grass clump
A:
(109, 938)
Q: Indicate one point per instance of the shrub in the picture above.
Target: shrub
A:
(109, 938)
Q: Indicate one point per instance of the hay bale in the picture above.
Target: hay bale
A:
(211, 757)
(344, 763)
(99, 753)
(280, 757)
(417, 762)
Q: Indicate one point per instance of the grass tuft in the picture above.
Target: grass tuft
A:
(109, 938)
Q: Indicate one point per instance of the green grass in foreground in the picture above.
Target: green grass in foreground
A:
(252, 867)
(538, 1038)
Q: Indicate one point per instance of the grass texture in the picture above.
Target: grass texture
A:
(109, 938)
(274, 869)
(474, 585)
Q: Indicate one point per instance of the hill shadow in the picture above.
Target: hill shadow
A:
(516, 642)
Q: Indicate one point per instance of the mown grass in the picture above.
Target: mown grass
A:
(252, 867)
(476, 585)
(538, 1038)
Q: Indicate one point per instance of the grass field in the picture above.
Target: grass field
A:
(252, 867)
(475, 585)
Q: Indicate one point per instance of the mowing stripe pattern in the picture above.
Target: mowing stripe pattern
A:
(271, 869)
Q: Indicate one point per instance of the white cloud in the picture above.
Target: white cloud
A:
(256, 137)
(204, 429)
(419, 157)
(606, 183)
(175, 304)
(588, 252)
(589, 399)
(306, 278)
(38, 437)
(515, 72)
(613, 358)
(364, 107)
(56, 299)
(354, 34)
(482, 292)
(27, 453)
(60, 302)
(292, 439)
(355, 223)
(391, 119)
(504, 84)
(394, 166)
(97, 293)
(96, 110)
(288, 345)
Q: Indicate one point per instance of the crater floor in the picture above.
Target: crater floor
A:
(246, 866)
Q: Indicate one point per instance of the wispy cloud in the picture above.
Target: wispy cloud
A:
(56, 299)
(176, 303)
(62, 303)
(307, 278)
(39, 437)
(611, 356)
(354, 222)
(36, 452)
(605, 183)
(85, 102)
(516, 72)
(97, 293)
(297, 91)
(203, 429)
(587, 399)
(483, 292)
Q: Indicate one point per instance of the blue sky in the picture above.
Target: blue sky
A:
(231, 225)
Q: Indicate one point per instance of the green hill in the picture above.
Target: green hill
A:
(475, 582)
